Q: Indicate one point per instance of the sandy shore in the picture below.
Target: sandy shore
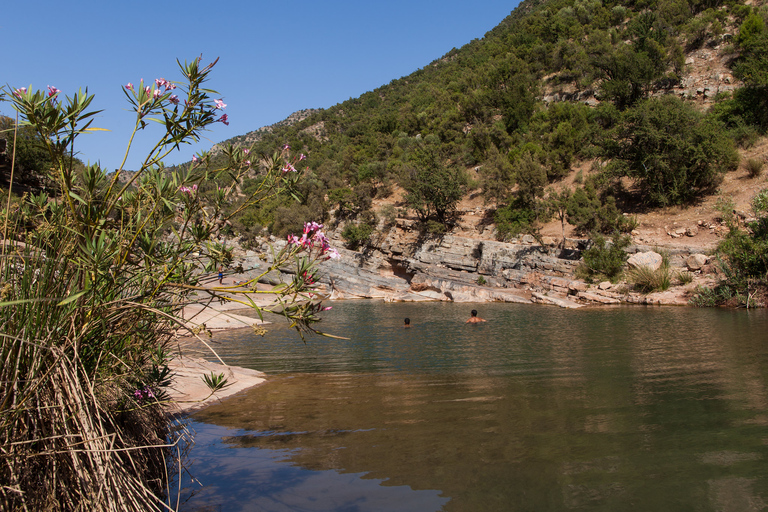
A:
(189, 390)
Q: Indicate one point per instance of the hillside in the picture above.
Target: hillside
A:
(650, 116)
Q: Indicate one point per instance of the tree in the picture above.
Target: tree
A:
(433, 188)
(558, 204)
(673, 152)
(588, 213)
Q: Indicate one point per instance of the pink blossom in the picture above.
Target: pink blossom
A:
(52, 91)
(220, 104)
(286, 147)
(161, 82)
(224, 119)
(302, 157)
(156, 94)
(188, 190)
(247, 162)
(20, 91)
(174, 99)
(169, 86)
(194, 158)
(327, 308)
(129, 86)
(289, 168)
(246, 151)
(148, 90)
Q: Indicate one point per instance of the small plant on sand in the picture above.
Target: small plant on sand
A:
(95, 274)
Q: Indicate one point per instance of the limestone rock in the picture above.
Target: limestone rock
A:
(651, 260)
(593, 297)
(696, 261)
(605, 285)
(577, 286)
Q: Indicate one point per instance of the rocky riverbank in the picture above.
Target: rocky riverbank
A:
(401, 265)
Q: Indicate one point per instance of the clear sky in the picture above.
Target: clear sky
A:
(275, 57)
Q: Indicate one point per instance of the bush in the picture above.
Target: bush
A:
(357, 235)
(684, 277)
(648, 280)
(672, 151)
(754, 167)
(514, 219)
(588, 213)
(605, 259)
(86, 335)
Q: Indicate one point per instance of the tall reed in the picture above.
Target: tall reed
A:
(94, 279)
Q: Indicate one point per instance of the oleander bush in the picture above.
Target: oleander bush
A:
(95, 276)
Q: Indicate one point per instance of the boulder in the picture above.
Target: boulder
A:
(696, 261)
(651, 260)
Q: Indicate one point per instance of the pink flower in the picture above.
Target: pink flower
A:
(302, 157)
(289, 168)
(327, 308)
(161, 82)
(247, 162)
(224, 119)
(52, 91)
(220, 104)
(20, 91)
(169, 86)
(148, 90)
(246, 151)
(156, 94)
(174, 99)
(286, 147)
(194, 158)
(129, 86)
(188, 190)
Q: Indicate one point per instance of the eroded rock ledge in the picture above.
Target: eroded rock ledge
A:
(401, 266)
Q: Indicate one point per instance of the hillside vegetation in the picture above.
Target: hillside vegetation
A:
(554, 86)
(577, 110)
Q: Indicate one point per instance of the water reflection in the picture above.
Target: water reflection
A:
(539, 409)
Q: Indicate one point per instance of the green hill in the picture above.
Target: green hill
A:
(654, 93)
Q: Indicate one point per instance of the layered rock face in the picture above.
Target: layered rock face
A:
(402, 265)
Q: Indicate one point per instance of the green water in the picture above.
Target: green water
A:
(538, 409)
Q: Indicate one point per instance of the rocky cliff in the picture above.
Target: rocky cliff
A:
(401, 265)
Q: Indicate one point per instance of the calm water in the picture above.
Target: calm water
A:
(539, 409)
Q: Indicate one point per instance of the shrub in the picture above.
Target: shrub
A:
(515, 218)
(648, 280)
(604, 258)
(754, 167)
(672, 151)
(389, 213)
(357, 235)
(588, 213)
(684, 277)
(86, 335)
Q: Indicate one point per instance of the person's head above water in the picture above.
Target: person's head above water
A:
(473, 312)
(407, 321)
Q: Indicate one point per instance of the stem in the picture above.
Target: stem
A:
(10, 182)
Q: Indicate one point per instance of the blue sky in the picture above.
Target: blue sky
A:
(274, 57)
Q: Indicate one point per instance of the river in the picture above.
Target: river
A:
(537, 409)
